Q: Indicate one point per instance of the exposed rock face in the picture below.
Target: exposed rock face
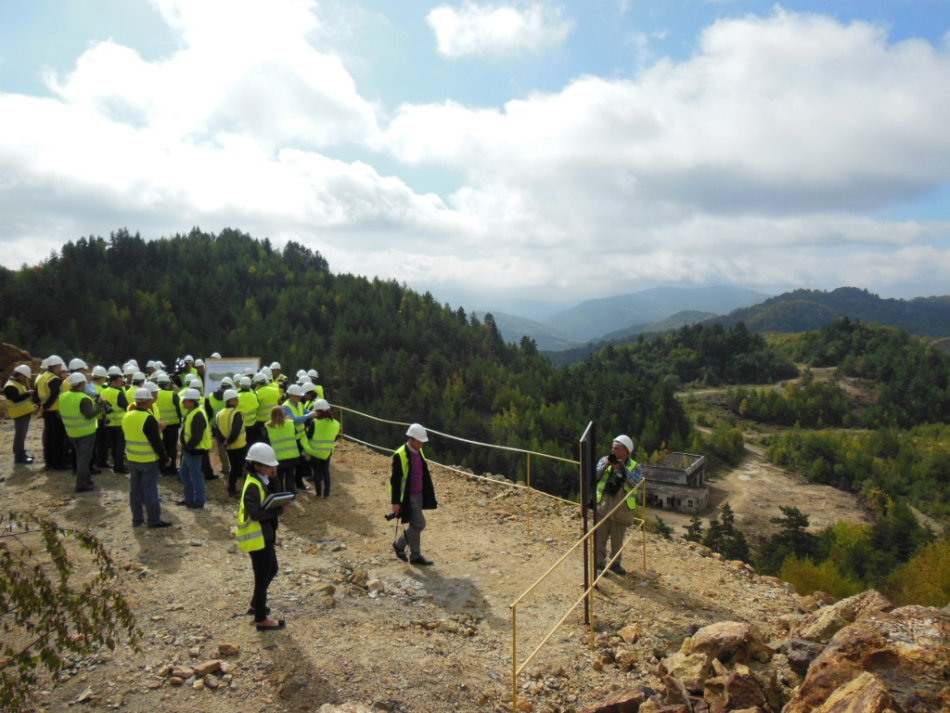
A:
(898, 660)
(628, 701)
(824, 623)
(10, 356)
(725, 641)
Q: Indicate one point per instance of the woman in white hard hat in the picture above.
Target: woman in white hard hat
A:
(257, 529)
(617, 477)
(411, 491)
(319, 441)
(20, 399)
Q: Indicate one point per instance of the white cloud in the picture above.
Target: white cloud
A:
(496, 29)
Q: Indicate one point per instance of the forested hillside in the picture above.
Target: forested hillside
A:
(379, 347)
(799, 310)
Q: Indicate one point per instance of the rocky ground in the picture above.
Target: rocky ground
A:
(365, 628)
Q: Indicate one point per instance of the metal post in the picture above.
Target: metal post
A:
(514, 658)
(529, 495)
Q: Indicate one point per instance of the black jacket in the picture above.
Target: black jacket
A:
(395, 483)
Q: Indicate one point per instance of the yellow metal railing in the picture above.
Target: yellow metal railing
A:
(529, 490)
(587, 540)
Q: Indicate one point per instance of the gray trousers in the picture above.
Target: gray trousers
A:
(613, 529)
(413, 534)
(21, 426)
(84, 447)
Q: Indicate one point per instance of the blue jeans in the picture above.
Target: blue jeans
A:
(144, 490)
(192, 478)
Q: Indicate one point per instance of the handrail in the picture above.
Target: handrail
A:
(528, 488)
(588, 540)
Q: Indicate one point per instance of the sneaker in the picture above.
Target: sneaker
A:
(213, 476)
(120, 471)
(400, 553)
(421, 561)
(184, 503)
(195, 506)
(160, 523)
(26, 460)
(617, 569)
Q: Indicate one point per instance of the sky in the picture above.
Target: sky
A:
(553, 151)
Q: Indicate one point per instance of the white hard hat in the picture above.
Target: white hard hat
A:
(301, 372)
(244, 381)
(324, 405)
(313, 374)
(294, 390)
(99, 372)
(152, 387)
(138, 376)
(227, 381)
(77, 378)
(143, 395)
(77, 364)
(23, 370)
(265, 370)
(199, 362)
(304, 380)
(418, 432)
(626, 442)
(229, 394)
(134, 363)
(150, 363)
(261, 453)
(190, 358)
(275, 365)
(53, 361)
(214, 355)
(44, 364)
(248, 371)
(114, 371)
(161, 377)
(159, 364)
(190, 394)
(129, 370)
(260, 377)
(308, 387)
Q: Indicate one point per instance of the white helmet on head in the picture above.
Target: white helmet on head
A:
(77, 379)
(626, 442)
(23, 370)
(199, 362)
(77, 364)
(138, 376)
(418, 432)
(307, 388)
(161, 377)
(54, 360)
(304, 380)
(152, 387)
(294, 390)
(190, 395)
(115, 371)
(324, 405)
(44, 364)
(143, 395)
(229, 394)
(129, 370)
(190, 358)
(215, 355)
(99, 372)
(244, 382)
(260, 377)
(313, 374)
(275, 365)
(265, 370)
(150, 364)
(301, 372)
(261, 453)
(227, 381)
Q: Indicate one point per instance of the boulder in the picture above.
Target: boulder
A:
(626, 701)
(11, 357)
(907, 651)
(824, 623)
(726, 641)
(801, 653)
(742, 689)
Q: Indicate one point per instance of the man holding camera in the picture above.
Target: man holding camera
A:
(411, 490)
(617, 476)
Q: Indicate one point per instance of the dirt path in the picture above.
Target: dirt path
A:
(400, 637)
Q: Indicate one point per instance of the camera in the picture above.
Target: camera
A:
(612, 459)
(391, 516)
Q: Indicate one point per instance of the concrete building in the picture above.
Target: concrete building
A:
(677, 482)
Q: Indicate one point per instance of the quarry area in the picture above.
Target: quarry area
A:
(367, 632)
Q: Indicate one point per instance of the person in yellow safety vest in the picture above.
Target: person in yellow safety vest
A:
(256, 531)
(314, 375)
(195, 443)
(144, 449)
(213, 405)
(247, 405)
(48, 388)
(190, 366)
(101, 458)
(135, 383)
(79, 412)
(200, 371)
(278, 378)
(114, 395)
(20, 408)
(169, 411)
(295, 411)
(411, 491)
(321, 436)
(153, 407)
(267, 397)
(617, 477)
(283, 439)
(229, 432)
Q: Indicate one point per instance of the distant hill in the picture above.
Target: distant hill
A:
(513, 328)
(672, 322)
(595, 318)
(800, 310)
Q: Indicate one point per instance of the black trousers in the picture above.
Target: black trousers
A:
(170, 441)
(236, 461)
(54, 441)
(264, 564)
(321, 475)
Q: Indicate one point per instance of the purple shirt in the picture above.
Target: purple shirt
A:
(415, 471)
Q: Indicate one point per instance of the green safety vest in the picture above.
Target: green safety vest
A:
(632, 499)
(165, 403)
(137, 447)
(205, 442)
(21, 408)
(225, 421)
(284, 441)
(76, 424)
(114, 417)
(99, 388)
(249, 535)
(247, 405)
(216, 404)
(42, 388)
(404, 459)
(323, 441)
(267, 400)
(297, 410)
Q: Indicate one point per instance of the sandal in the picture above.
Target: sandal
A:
(280, 625)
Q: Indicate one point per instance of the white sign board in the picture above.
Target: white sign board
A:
(217, 369)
